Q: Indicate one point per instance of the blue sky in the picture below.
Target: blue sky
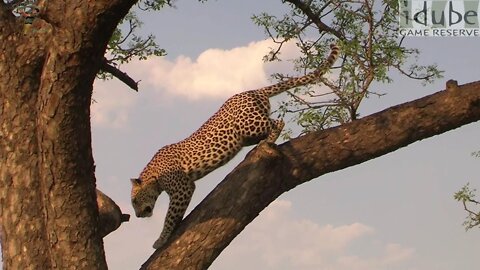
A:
(394, 212)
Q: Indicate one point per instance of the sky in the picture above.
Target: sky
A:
(394, 212)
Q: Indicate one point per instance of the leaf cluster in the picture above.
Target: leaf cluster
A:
(366, 30)
(466, 195)
(126, 44)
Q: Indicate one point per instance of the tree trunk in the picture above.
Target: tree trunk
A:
(48, 213)
(269, 170)
(48, 209)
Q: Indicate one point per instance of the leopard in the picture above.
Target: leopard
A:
(243, 120)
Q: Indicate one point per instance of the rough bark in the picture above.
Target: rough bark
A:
(269, 171)
(49, 215)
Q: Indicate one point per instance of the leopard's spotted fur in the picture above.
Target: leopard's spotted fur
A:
(244, 119)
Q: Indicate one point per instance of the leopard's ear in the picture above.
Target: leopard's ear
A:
(135, 181)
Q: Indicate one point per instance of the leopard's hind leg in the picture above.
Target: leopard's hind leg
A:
(275, 130)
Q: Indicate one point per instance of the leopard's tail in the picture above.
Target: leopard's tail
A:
(309, 78)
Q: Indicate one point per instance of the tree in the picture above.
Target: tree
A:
(49, 215)
(466, 195)
(368, 32)
(48, 203)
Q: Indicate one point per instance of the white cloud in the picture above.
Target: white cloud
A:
(112, 103)
(276, 240)
(215, 73)
(393, 255)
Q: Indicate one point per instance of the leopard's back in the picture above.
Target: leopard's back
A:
(242, 120)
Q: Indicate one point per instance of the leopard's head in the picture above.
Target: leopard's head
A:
(144, 195)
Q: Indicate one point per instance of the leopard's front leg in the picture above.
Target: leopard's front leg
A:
(180, 198)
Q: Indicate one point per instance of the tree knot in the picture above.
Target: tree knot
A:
(452, 85)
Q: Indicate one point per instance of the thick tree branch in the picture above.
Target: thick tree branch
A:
(269, 171)
(111, 11)
(122, 76)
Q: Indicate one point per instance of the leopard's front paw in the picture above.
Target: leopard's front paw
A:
(159, 243)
